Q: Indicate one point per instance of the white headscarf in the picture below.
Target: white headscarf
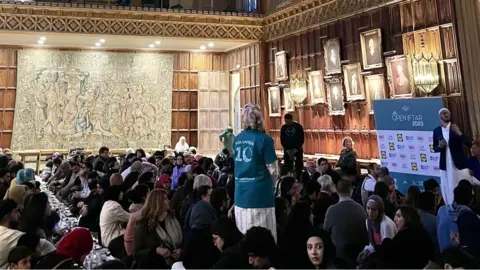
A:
(181, 147)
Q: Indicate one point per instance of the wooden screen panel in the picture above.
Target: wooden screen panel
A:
(8, 68)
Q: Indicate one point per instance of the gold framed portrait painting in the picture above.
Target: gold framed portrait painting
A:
(335, 96)
(288, 102)
(354, 86)
(372, 51)
(274, 105)
(281, 71)
(375, 87)
(332, 57)
(315, 87)
(400, 76)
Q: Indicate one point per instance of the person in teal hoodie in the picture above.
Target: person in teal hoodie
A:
(227, 137)
(447, 228)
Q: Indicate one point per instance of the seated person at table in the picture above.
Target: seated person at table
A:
(91, 207)
(19, 258)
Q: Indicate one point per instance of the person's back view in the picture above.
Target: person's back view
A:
(447, 228)
(346, 223)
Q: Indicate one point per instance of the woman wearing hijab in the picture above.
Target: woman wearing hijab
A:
(256, 172)
(227, 137)
(379, 226)
(72, 248)
(158, 236)
(17, 193)
(348, 156)
(320, 250)
(23, 176)
(179, 168)
(164, 182)
(181, 146)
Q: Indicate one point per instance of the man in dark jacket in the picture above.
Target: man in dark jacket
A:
(292, 139)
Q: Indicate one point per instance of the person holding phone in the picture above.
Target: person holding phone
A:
(449, 140)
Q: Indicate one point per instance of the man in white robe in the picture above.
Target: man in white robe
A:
(448, 140)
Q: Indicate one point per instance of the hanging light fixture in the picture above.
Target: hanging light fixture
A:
(298, 86)
(425, 71)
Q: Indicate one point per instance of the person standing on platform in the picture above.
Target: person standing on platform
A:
(292, 139)
(448, 140)
(256, 172)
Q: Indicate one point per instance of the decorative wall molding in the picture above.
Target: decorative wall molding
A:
(18, 17)
(311, 13)
(99, 19)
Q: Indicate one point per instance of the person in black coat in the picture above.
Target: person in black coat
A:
(91, 208)
(292, 138)
(226, 237)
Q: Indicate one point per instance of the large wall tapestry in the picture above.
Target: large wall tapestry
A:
(88, 99)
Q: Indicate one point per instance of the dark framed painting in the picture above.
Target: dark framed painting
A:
(372, 51)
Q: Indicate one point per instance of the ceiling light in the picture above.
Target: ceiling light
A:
(98, 44)
(151, 45)
(102, 40)
(157, 42)
(202, 47)
(43, 38)
(239, 66)
(211, 44)
(40, 42)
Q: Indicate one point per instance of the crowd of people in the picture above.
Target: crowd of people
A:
(240, 210)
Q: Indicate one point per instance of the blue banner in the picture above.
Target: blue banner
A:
(405, 139)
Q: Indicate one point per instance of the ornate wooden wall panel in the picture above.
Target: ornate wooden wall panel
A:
(185, 92)
(8, 77)
(249, 62)
(403, 25)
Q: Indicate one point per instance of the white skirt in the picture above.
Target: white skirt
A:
(247, 218)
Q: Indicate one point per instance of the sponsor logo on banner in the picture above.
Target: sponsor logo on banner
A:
(436, 168)
(382, 146)
(381, 137)
(424, 167)
(390, 137)
(411, 148)
(403, 156)
(413, 157)
(414, 166)
(384, 163)
(430, 139)
(399, 137)
(391, 146)
(394, 165)
(383, 155)
(435, 159)
(392, 155)
(420, 138)
(401, 147)
(404, 166)
(409, 138)
(423, 157)
(422, 148)
(431, 149)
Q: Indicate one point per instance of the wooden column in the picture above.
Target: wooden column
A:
(468, 27)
